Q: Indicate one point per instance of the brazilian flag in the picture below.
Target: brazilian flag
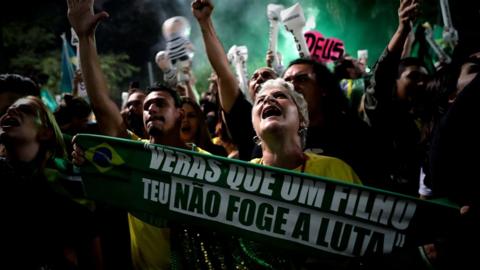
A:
(103, 157)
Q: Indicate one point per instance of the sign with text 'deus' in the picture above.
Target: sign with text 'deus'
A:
(324, 49)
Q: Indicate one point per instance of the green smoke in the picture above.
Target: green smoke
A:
(362, 24)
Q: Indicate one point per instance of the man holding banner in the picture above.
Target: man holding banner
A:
(257, 202)
(150, 245)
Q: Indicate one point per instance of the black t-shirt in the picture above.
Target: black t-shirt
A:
(455, 147)
(453, 166)
(239, 123)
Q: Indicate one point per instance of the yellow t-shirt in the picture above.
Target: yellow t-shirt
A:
(326, 166)
(317, 165)
(150, 245)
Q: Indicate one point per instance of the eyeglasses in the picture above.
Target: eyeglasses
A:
(300, 78)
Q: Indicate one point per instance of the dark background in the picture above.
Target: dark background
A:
(134, 27)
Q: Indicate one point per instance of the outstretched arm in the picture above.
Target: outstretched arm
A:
(227, 82)
(378, 95)
(84, 22)
(407, 13)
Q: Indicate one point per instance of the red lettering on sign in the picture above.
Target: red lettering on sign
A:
(324, 49)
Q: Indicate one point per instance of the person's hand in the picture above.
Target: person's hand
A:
(82, 18)
(407, 13)
(202, 9)
(78, 156)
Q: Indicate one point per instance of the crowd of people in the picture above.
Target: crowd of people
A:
(409, 130)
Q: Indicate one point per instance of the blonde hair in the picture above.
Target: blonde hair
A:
(55, 145)
(298, 100)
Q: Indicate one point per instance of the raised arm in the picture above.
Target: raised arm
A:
(227, 82)
(84, 22)
(378, 95)
(407, 13)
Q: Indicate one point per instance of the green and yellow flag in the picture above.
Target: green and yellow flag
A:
(271, 205)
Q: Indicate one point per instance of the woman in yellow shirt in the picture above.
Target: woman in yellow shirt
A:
(280, 120)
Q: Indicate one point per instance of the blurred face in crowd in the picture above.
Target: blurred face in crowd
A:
(411, 83)
(303, 79)
(22, 122)
(190, 124)
(79, 124)
(134, 104)
(160, 114)
(356, 70)
(260, 76)
(133, 113)
(274, 113)
(212, 88)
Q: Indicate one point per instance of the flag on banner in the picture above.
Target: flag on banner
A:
(67, 65)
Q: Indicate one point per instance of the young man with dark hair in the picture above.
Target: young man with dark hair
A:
(391, 107)
(162, 117)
